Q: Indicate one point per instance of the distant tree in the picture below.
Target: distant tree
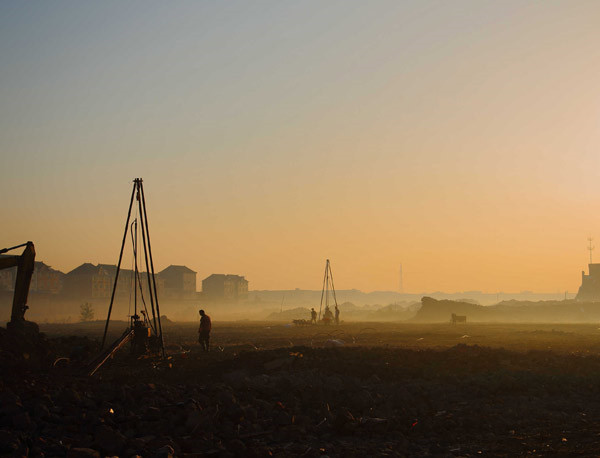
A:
(86, 312)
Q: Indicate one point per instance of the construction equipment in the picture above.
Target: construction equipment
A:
(97, 362)
(144, 332)
(25, 264)
(328, 289)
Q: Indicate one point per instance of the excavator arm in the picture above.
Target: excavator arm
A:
(25, 264)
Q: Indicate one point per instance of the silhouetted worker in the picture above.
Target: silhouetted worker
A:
(204, 330)
(337, 314)
(313, 316)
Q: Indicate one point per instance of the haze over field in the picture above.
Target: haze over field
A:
(457, 138)
(439, 159)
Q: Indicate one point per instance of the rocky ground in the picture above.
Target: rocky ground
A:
(330, 400)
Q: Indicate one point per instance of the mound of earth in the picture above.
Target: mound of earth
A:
(27, 348)
(434, 310)
(569, 311)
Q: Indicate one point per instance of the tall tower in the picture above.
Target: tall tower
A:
(590, 248)
(401, 284)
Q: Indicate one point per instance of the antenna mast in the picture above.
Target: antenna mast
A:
(590, 248)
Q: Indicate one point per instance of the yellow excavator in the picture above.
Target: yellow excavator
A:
(25, 264)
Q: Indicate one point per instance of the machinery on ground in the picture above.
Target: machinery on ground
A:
(327, 291)
(145, 331)
(25, 264)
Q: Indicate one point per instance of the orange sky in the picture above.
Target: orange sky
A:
(457, 138)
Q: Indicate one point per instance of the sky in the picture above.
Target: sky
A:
(459, 139)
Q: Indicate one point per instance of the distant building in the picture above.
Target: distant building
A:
(590, 284)
(45, 279)
(221, 287)
(89, 280)
(125, 282)
(179, 281)
(6, 280)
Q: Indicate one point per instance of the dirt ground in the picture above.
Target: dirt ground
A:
(349, 390)
(562, 338)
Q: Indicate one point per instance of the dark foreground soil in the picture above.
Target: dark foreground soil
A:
(351, 400)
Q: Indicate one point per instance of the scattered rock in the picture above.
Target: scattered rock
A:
(165, 452)
(108, 440)
(22, 421)
(278, 363)
(83, 453)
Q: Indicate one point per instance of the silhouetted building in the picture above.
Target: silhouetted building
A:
(125, 281)
(179, 281)
(45, 279)
(221, 287)
(6, 280)
(590, 284)
(88, 280)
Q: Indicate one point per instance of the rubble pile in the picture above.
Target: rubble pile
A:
(464, 401)
(31, 349)
(24, 346)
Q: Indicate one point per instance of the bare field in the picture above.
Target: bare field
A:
(562, 338)
(351, 390)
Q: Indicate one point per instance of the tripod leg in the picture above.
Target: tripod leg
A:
(145, 217)
(112, 297)
(323, 291)
(150, 286)
(332, 286)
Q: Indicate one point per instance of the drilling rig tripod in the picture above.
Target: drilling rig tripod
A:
(145, 331)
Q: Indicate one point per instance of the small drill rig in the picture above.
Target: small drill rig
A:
(144, 332)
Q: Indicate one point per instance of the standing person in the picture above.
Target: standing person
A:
(313, 316)
(337, 314)
(204, 330)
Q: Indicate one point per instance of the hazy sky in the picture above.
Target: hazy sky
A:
(459, 138)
